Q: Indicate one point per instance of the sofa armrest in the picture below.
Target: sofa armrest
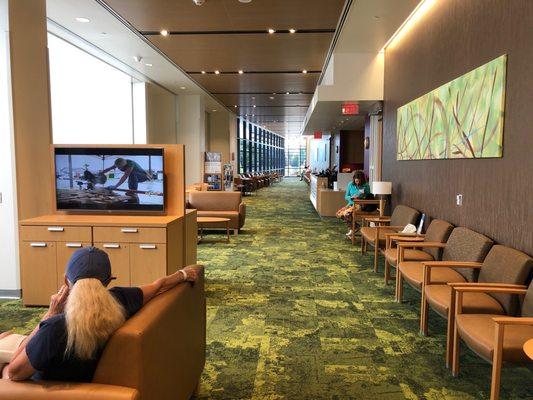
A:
(242, 214)
(30, 390)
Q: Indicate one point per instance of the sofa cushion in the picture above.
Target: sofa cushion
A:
(506, 265)
(477, 331)
(413, 273)
(403, 215)
(232, 215)
(408, 255)
(438, 231)
(215, 201)
(439, 297)
(466, 245)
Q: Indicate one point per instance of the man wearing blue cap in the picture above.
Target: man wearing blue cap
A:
(68, 342)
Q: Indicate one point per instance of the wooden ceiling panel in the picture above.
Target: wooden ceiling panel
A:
(273, 111)
(184, 15)
(258, 83)
(195, 53)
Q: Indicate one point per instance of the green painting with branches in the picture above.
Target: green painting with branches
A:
(461, 119)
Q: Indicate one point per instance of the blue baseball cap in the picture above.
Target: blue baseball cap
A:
(89, 262)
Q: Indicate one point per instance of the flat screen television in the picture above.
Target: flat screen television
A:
(109, 179)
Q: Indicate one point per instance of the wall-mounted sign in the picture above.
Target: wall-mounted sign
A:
(350, 109)
(318, 135)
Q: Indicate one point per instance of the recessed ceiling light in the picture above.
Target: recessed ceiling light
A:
(304, 71)
(254, 105)
(149, 65)
(235, 106)
(214, 110)
(183, 87)
(292, 30)
(271, 31)
(245, 1)
(164, 32)
(241, 72)
(203, 72)
(217, 72)
(274, 93)
(287, 93)
(83, 20)
(271, 97)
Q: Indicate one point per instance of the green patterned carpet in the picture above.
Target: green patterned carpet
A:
(295, 312)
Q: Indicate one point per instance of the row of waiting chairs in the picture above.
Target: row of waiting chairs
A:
(483, 289)
(251, 183)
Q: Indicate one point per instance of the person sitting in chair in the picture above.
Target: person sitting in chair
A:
(69, 340)
(358, 188)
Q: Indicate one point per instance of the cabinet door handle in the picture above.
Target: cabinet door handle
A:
(38, 244)
(56, 229)
(112, 246)
(147, 246)
(73, 245)
(129, 230)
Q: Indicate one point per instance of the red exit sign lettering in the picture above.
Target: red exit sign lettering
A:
(350, 109)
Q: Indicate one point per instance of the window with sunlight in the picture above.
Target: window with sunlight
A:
(92, 102)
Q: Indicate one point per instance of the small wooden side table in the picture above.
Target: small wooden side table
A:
(203, 221)
(528, 348)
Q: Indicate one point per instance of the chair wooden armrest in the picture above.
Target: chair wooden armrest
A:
(487, 285)
(421, 244)
(378, 219)
(442, 264)
(361, 201)
(408, 237)
(513, 320)
(487, 289)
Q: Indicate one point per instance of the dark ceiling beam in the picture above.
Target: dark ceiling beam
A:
(239, 32)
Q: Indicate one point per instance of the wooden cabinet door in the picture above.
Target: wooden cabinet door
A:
(64, 252)
(38, 272)
(119, 255)
(148, 263)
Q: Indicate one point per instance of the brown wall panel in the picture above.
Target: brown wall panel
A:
(454, 37)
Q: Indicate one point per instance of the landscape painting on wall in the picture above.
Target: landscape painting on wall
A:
(461, 119)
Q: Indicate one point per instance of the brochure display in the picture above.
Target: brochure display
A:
(213, 170)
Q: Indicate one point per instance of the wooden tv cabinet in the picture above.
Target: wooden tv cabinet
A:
(141, 249)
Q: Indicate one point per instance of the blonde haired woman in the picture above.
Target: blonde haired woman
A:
(83, 315)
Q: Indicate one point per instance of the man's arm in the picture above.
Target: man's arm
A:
(187, 274)
(124, 177)
(108, 169)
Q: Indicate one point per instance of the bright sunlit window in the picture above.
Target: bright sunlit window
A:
(91, 100)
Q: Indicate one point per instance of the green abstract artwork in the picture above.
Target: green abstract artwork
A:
(460, 119)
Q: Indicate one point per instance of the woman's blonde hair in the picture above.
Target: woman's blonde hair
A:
(92, 315)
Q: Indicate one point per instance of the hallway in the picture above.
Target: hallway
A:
(295, 312)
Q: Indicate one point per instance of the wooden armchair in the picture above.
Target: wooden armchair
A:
(502, 266)
(438, 231)
(376, 235)
(360, 215)
(494, 338)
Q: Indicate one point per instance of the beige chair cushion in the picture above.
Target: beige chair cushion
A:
(438, 231)
(477, 331)
(217, 201)
(439, 298)
(369, 232)
(409, 255)
(232, 215)
(413, 273)
(403, 215)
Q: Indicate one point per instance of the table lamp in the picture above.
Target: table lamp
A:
(381, 188)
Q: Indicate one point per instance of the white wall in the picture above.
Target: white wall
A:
(191, 133)
(9, 267)
(319, 154)
(161, 121)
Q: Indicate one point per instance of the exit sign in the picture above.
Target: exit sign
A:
(350, 109)
(318, 135)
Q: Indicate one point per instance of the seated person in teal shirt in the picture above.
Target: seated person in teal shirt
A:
(357, 189)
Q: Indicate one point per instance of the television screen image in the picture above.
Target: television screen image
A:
(109, 179)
